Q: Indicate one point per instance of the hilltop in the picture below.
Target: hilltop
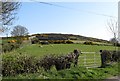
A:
(71, 37)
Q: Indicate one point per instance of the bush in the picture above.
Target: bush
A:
(47, 62)
(88, 43)
(115, 56)
(17, 64)
(12, 41)
(69, 42)
(109, 56)
(118, 44)
(57, 41)
(34, 40)
(9, 47)
(13, 64)
(19, 41)
(51, 41)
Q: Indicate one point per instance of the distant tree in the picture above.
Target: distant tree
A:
(8, 10)
(113, 27)
(19, 31)
(113, 40)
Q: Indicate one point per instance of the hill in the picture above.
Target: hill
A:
(71, 37)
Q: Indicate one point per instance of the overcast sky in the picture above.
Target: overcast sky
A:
(81, 18)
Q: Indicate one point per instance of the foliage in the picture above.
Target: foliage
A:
(54, 36)
(73, 38)
(69, 42)
(25, 64)
(7, 47)
(8, 10)
(18, 64)
(118, 44)
(72, 74)
(57, 41)
(113, 40)
(88, 43)
(115, 56)
(35, 40)
(109, 57)
(12, 59)
(19, 31)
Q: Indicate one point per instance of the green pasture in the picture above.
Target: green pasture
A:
(63, 49)
(40, 50)
(79, 72)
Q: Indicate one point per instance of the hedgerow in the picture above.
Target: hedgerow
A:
(9, 47)
(17, 64)
(20, 63)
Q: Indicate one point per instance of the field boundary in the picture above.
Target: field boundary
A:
(95, 61)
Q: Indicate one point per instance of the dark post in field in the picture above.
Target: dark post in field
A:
(103, 58)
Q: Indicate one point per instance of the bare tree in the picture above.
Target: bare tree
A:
(113, 27)
(6, 31)
(19, 31)
(8, 10)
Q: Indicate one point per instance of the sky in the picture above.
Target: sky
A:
(79, 18)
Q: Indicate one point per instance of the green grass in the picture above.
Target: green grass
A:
(72, 73)
(41, 50)
(79, 72)
(5, 40)
(61, 48)
(58, 49)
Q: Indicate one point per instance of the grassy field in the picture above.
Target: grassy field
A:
(79, 72)
(62, 49)
(39, 50)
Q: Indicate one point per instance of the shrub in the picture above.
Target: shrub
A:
(17, 64)
(19, 41)
(88, 43)
(109, 56)
(34, 40)
(63, 41)
(13, 64)
(118, 44)
(12, 41)
(51, 41)
(69, 42)
(25, 38)
(57, 41)
(6, 47)
(9, 47)
(115, 56)
(47, 62)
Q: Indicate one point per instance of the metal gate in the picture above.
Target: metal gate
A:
(90, 59)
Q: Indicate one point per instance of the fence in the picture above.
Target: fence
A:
(90, 59)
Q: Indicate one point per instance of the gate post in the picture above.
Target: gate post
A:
(103, 59)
